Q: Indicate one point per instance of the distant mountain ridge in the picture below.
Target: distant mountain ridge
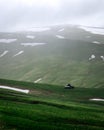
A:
(56, 55)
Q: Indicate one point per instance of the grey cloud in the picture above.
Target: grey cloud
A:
(14, 14)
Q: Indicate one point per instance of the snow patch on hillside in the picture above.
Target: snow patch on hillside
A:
(92, 57)
(97, 99)
(102, 57)
(18, 53)
(15, 89)
(96, 42)
(36, 81)
(32, 44)
(60, 37)
(7, 40)
(93, 30)
(30, 37)
(4, 53)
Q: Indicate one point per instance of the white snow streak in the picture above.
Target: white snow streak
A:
(4, 53)
(30, 37)
(36, 81)
(97, 99)
(60, 37)
(7, 40)
(32, 44)
(15, 89)
(96, 42)
(18, 53)
(93, 30)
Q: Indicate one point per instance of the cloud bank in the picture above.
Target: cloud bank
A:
(17, 14)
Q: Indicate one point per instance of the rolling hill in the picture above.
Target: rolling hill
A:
(50, 107)
(54, 55)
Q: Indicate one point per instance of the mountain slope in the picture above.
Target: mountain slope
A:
(57, 56)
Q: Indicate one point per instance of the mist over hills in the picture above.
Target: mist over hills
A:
(56, 55)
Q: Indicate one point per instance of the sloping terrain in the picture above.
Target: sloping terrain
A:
(54, 55)
(50, 107)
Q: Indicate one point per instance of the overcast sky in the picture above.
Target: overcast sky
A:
(16, 14)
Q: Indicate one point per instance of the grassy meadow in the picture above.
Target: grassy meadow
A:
(50, 107)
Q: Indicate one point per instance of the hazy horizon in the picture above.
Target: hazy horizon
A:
(20, 14)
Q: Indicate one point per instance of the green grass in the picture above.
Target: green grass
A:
(50, 107)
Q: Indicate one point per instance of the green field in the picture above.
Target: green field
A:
(50, 107)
